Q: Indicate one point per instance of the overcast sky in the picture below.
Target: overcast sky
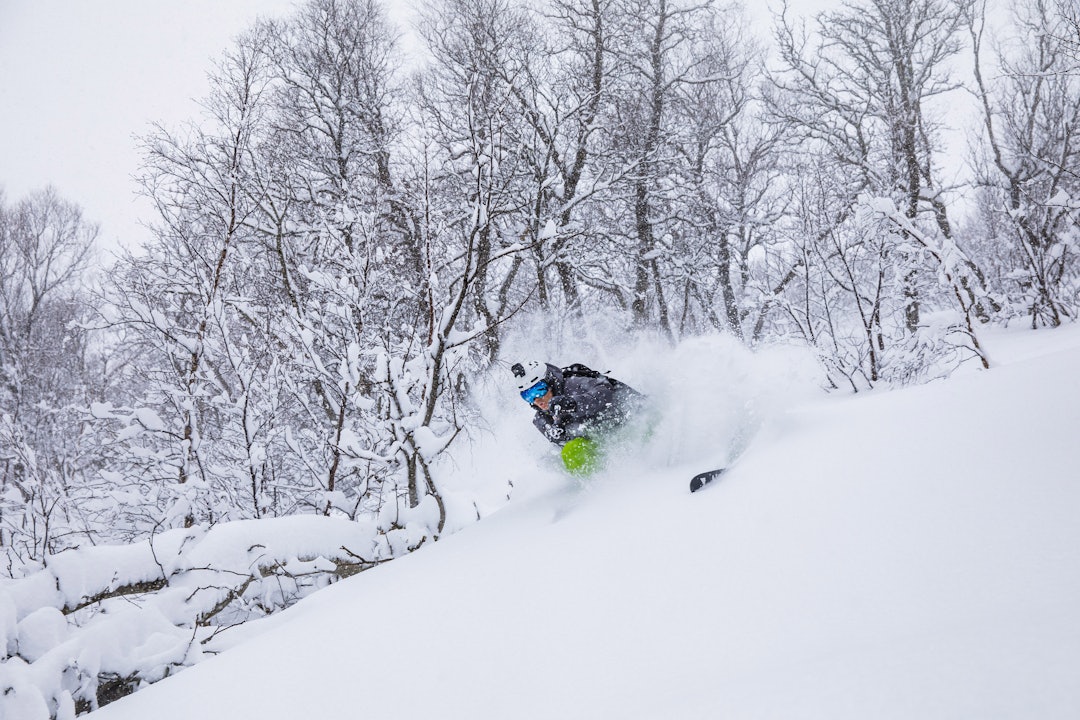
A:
(79, 79)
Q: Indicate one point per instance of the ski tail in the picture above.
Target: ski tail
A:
(702, 479)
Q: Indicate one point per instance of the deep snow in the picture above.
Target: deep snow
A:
(904, 554)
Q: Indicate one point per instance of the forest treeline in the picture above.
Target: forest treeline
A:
(344, 236)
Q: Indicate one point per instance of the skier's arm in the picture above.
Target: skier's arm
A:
(551, 430)
(571, 414)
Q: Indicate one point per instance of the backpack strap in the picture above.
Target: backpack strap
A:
(579, 370)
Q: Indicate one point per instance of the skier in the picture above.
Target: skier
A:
(580, 409)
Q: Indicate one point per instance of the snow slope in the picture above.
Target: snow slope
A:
(907, 554)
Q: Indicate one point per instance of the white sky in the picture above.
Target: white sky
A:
(79, 80)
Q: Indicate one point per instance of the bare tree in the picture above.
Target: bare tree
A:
(734, 164)
(45, 372)
(861, 87)
(565, 95)
(338, 233)
(656, 48)
(1030, 173)
(183, 299)
(471, 98)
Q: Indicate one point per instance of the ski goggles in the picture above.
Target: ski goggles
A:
(534, 393)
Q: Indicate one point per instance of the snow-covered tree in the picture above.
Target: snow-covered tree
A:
(47, 373)
(861, 88)
(184, 301)
(1029, 190)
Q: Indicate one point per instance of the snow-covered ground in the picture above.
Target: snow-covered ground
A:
(906, 554)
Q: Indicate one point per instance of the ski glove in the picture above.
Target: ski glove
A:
(562, 407)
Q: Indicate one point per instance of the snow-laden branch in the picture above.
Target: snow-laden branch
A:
(950, 262)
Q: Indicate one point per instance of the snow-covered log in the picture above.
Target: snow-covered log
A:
(97, 622)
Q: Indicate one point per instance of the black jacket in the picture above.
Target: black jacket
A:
(585, 406)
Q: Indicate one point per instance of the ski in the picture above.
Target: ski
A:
(702, 479)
